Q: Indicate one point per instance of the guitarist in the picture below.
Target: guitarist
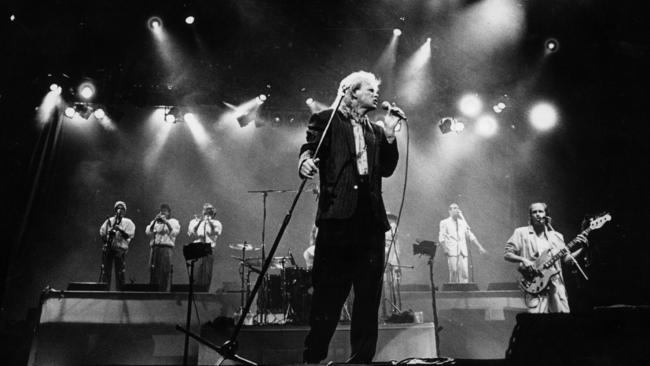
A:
(116, 232)
(526, 244)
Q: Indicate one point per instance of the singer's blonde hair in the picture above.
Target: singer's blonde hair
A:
(354, 81)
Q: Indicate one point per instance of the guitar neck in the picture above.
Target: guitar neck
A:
(574, 242)
(568, 249)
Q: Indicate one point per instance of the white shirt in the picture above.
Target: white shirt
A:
(161, 234)
(199, 230)
(119, 241)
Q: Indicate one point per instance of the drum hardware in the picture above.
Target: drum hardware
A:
(244, 264)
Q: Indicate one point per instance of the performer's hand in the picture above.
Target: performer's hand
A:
(308, 168)
(527, 263)
(391, 120)
(482, 250)
(582, 239)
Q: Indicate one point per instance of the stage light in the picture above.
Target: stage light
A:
(99, 113)
(551, 45)
(458, 127)
(397, 32)
(155, 23)
(69, 112)
(499, 107)
(55, 88)
(86, 90)
(543, 116)
(190, 118)
(309, 101)
(262, 98)
(172, 115)
(487, 126)
(470, 105)
(450, 124)
(12, 17)
(413, 77)
(189, 19)
(245, 119)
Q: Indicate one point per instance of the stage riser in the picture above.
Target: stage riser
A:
(139, 328)
(120, 328)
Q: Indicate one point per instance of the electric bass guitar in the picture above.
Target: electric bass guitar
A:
(536, 278)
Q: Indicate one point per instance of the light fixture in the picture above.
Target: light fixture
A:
(155, 23)
(83, 110)
(450, 124)
(172, 115)
(551, 45)
(245, 119)
(99, 113)
(69, 112)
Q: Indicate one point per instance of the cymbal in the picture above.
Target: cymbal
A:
(257, 261)
(242, 246)
(280, 262)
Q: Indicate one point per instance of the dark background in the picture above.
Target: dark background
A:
(595, 160)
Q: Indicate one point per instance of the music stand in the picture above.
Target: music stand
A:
(192, 252)
(428, 248)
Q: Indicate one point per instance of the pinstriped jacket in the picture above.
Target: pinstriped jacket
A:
(339, 177)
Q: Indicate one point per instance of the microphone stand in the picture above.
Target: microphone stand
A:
(229, 349)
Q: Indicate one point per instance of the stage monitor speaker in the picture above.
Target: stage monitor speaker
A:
(503, 286)
(140, 287)
(606, 336)
(459, 287)
(88, 286)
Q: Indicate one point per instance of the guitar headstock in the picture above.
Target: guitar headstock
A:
(599, 221)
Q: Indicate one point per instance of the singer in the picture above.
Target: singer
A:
(351, 217)
(526, 244)
(163, 230)
(116, 233)
(453, 236)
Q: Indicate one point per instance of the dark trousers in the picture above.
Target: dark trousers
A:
(203, 273)
(109, 257)
(160, 267)
(349, 254)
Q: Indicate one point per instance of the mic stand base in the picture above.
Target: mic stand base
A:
(228, 350)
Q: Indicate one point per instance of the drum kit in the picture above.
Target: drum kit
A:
(285, 296)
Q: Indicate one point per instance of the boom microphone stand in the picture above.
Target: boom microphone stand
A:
(229, 349)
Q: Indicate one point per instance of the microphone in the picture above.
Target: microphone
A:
(460, 213)
(393, 110)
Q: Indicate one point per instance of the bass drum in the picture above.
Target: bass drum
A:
(299, 290)
(274, 302)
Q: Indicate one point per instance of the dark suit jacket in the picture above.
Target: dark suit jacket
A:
(338, 169)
